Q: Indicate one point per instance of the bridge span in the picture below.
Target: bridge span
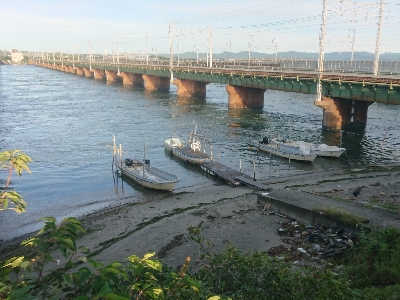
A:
(345, 101)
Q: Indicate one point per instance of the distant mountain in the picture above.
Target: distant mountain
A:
(293, 54)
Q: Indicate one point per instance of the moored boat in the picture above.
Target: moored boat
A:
(325, 150)
(147, 175)
(143, 173)
(319, 149)
(193, 151)
(280, 147)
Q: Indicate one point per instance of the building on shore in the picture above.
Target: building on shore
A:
(16, 56)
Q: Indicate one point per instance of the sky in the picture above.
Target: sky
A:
(259, 25)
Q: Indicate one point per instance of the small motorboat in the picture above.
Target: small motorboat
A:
(280, 147)
(143, 173)
(193, 151)
(325, 150)
(319, 149)
(147, 175)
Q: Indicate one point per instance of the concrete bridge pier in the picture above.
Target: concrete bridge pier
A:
(132, 79)
(111, 76)
(99, 74)
(154, 83)
(344, 114)
(190, 88)
(79, 71)
(87, 72)
(245, 97)
(72, 70)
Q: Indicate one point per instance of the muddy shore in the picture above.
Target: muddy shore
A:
(226, 215)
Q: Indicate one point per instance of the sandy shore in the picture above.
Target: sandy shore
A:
(226, 215)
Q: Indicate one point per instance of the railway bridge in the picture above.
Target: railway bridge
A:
(345, 96)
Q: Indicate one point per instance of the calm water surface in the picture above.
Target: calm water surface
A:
(64, 123)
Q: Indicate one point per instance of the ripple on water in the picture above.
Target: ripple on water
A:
(64, 122)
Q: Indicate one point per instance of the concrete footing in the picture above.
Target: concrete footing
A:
(154, 83)
(304, 207)
(79, 71)
(132, 79)
(244, 97)
(99, 74)
(87, 72)
(190, 88)
(111, 76)
(343, 114)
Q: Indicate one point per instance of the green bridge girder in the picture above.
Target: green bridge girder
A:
(353, 90)
(372, 92)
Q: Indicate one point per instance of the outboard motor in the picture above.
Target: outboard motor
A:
(128, 162)
(147, 161)
(265, 140)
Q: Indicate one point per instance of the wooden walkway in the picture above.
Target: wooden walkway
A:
(231, 176)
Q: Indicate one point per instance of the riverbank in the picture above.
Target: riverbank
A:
(226, 215)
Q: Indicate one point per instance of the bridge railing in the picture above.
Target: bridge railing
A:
(387, 68)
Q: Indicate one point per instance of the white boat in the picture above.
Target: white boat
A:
(193, 151)
(325, 150)
(280, 147)
(319, 149)
(143, 173)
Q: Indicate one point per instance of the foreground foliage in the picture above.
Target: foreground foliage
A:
(38, 276)
(18, 161)
(370, 271)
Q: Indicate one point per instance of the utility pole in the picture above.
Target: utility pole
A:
(91, 53)
(54, 60)
(116, 46)
(352, 43)
(62, 62)
(230, 49)
(147, 55)
(197, 53)
(321, 50)
(73, 57)
(248, 62)
(112, 50)
(88, 51)
(177, 50)
(210, 47)
(171, 64)
(275, 42)
(378, 38)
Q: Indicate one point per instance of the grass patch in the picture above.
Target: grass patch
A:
(339, 199)
(344, 216)
(391, 206)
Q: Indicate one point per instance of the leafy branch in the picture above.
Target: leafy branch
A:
(18, 161)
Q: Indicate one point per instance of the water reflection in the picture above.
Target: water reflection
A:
(190, 101)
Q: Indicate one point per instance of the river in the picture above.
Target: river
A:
(64, 122)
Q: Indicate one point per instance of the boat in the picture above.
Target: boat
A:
(143, 173)
(325, 150)
(193, 151)
(319, 149)
(280, 147)
(147, 175)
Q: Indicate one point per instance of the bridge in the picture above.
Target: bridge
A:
(346, 95)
